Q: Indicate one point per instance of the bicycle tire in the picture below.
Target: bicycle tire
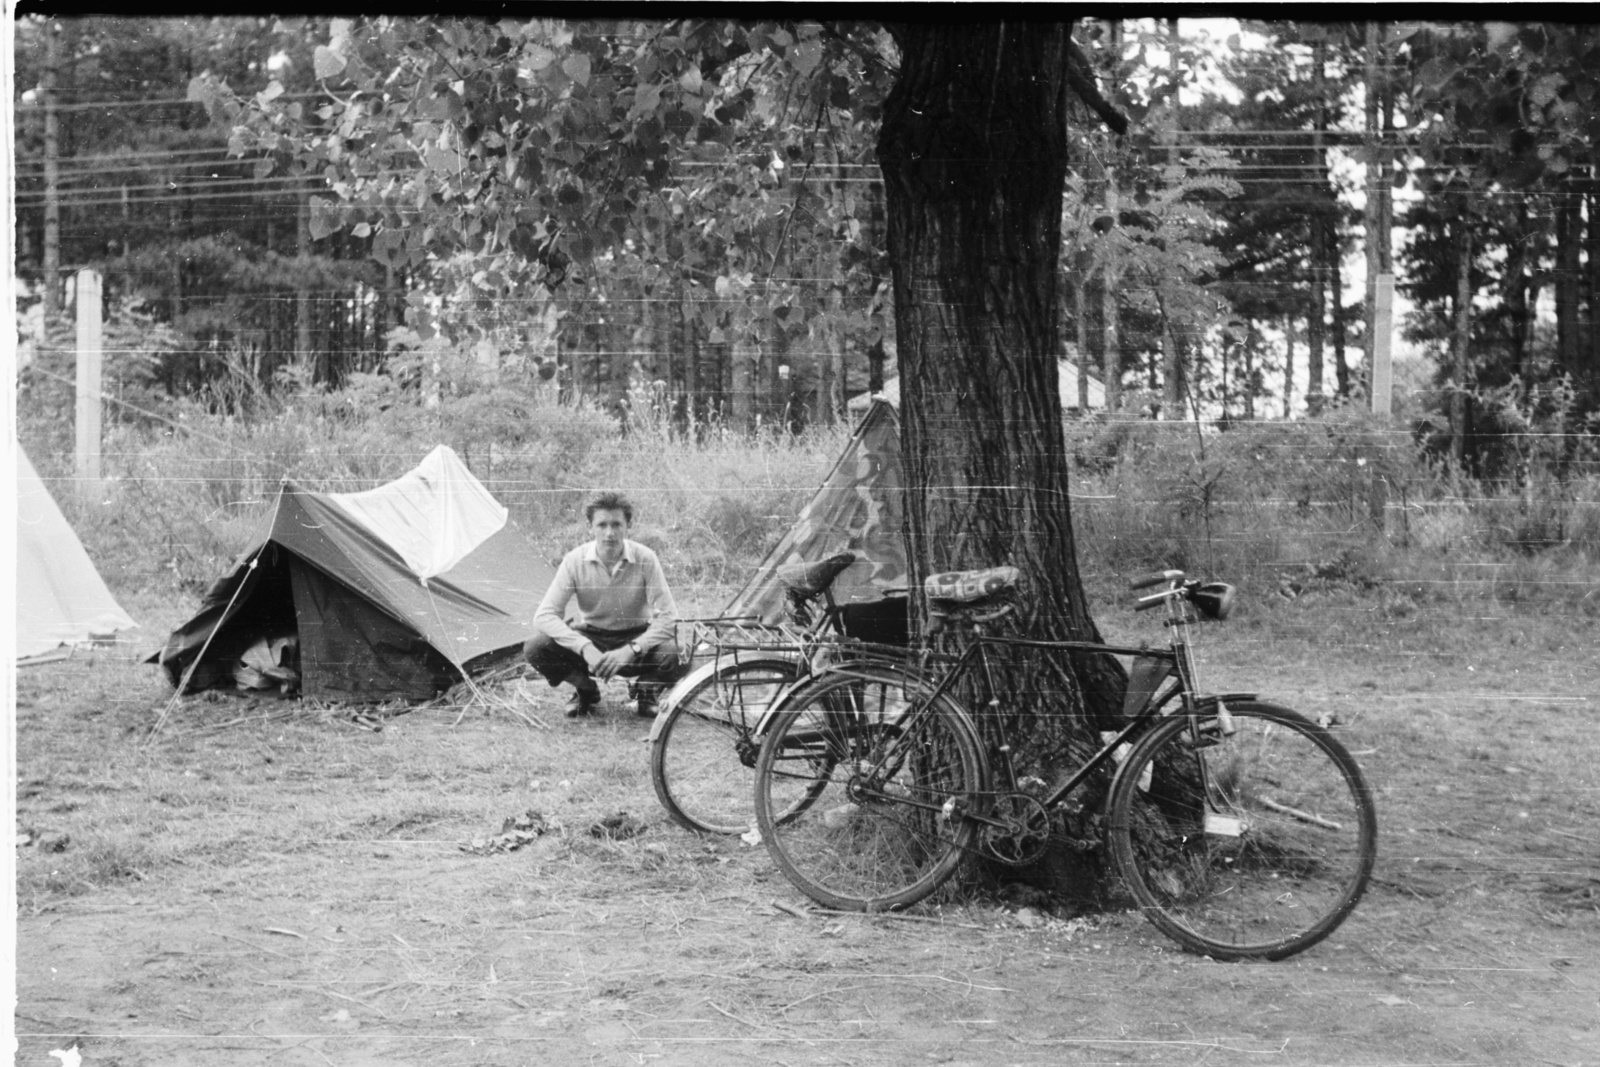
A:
(702, 753)
(887, 782)
(1261, 854)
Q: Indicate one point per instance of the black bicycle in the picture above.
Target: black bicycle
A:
(1242, 828)
(703, 743)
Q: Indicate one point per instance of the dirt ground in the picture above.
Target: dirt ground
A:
(274, 884)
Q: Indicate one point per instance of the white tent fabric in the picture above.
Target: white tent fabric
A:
(61, 598)
(433, 516)
(1068, 371)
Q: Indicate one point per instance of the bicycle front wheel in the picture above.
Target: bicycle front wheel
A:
(893, 779)
(1255, 845)
(703, 752)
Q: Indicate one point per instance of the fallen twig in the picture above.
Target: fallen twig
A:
(258, 948)
(732, 1016)
(902, 917)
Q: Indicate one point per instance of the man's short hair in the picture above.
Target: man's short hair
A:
(608, 501)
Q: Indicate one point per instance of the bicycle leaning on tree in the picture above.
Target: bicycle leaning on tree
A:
(1242, 828)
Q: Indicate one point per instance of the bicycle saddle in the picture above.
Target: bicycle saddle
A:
(966, 587)
(809, 579)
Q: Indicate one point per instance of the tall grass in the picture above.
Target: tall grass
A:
(1340, 501)
(180, 501)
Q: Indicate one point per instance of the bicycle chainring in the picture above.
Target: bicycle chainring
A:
(1023, 832)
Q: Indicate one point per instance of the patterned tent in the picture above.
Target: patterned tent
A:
(859, 507)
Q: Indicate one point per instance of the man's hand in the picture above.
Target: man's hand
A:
(609, 663)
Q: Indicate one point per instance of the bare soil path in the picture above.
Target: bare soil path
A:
(271, 884)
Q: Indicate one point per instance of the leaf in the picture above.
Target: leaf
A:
(1547, 89)
(805, 56)
(266, 96)
(327, 62)
(691, 81)
(324, 218)
(361, 229)
(577, 68)
(1501, 35)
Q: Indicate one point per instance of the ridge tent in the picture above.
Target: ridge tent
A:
(393, 593)
(61, 598)
(859, 507)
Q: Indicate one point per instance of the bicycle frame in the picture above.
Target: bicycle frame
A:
(1178, 655)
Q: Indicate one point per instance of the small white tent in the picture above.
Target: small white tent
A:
(1068, 371)
(61, 598)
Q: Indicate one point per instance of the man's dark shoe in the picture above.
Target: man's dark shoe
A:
(582, 702)
(646, 707)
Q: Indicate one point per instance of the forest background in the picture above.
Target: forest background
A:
(1216, 260)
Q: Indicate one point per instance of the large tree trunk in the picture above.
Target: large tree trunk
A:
(974, 156)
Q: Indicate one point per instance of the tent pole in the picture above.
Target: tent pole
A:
(188, 674)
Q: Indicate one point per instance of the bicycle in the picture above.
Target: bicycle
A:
(703, 742)
(1241, 828)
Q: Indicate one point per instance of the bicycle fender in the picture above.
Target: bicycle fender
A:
(777, 705)
(697, 677)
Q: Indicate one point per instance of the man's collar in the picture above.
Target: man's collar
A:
(592, 553)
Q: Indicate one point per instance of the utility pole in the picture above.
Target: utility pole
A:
(86, 461)
(1380, 282)
(1315, 325)
(52, 174)
(1171, 404)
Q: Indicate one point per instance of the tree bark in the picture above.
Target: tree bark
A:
(1463, 338)
(1341, 365)
(1111, 348)
(302, 292)
(1569, 239)
(1592, 286)
(974, 154)
(1372, 212)
(1288, 366)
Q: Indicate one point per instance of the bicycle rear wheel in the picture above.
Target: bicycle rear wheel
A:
(703, 751)
(1251, 846)
(892, 778)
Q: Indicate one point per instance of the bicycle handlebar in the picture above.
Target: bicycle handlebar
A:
(1155, 579)
(1150, 602)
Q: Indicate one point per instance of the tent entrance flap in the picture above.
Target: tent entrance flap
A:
(349, 652)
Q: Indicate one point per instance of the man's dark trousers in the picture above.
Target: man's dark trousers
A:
(657, 666)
